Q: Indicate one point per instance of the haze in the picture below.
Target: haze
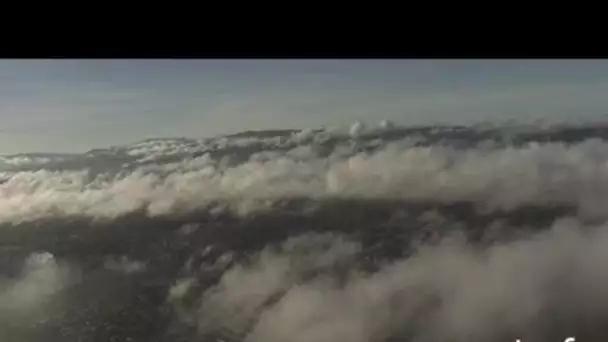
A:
(76, 105)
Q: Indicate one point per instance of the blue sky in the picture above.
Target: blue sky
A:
(75, 105)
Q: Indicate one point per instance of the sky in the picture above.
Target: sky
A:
(76, 105)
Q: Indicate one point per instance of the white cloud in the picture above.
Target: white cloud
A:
(32, 298)
(446, 291)
(542, 174)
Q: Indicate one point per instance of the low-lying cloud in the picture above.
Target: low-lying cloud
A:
(31, 299)
(494, 178)
(240, 283)
(550, 282)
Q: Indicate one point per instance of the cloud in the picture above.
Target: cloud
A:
(231, 305)
(493, 178)
(448, 291)
(31, 300)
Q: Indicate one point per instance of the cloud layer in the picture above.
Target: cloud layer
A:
(495, 178)
(547, 285)
(321, 243)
